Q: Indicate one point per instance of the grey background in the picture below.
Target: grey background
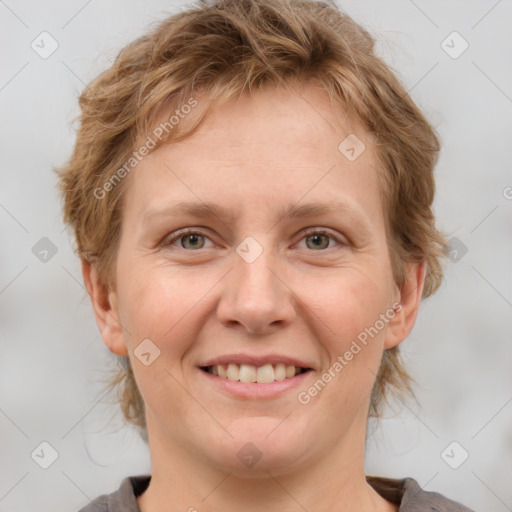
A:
(52, 358)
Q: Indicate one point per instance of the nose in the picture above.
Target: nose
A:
(256, 296)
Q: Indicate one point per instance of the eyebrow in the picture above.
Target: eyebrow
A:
(291, 211)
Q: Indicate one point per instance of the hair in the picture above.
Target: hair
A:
(218, 51)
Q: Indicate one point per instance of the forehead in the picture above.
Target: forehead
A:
(295, 116)
(274, 146)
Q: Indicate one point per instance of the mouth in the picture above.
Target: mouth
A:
(252, 374)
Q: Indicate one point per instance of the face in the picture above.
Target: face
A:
(255, 250)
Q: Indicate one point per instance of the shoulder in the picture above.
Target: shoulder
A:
(412, 498)
(122, 500)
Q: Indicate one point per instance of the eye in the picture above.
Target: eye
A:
(188, 239)
(320, 239)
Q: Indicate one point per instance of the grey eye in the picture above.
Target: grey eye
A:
(318, 241)
(195, 241)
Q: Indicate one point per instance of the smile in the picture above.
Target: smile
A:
(248, 373)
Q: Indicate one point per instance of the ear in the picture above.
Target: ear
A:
(407, 307)
(104, 304)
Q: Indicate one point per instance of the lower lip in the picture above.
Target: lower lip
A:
(256, 390)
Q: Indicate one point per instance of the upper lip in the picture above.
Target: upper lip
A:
(256, 360)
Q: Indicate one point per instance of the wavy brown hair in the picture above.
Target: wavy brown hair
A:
(215, 52)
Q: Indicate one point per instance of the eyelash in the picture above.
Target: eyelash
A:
(309, 232)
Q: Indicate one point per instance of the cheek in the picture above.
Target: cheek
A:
(352, 309)
(351, 301)
(157, 303)
(161, 307)
(353, 355)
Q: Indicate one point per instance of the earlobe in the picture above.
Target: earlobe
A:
(407, 310)
(105, 307)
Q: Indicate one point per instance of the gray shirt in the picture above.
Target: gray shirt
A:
(405, 492)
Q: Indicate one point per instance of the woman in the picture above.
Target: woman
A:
(251, 192)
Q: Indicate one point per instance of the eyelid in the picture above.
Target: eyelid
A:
(180, 233)
(177, 235)
(340, 239)
(323, 231)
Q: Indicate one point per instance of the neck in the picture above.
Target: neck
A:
(335, 481)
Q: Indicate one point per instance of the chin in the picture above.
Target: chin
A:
(261, 445)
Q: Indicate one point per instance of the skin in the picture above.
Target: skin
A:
(305, 296)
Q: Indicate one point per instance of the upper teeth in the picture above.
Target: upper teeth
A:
(250, 373)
